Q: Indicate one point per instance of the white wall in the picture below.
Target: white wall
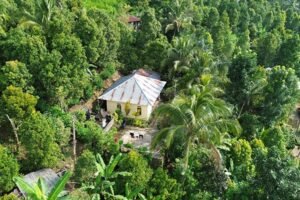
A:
(146, 110)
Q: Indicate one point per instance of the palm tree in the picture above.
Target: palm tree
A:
(39, 191)
(179, 15)
(104, 176)
(42, 15)
(200, 116)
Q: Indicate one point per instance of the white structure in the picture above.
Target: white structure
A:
(138, 92)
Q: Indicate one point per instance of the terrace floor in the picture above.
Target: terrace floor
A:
(138, 137)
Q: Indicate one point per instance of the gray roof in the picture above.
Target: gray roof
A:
(49, 176)
(136, 89)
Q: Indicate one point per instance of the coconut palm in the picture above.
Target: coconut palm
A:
(39, 191)
(200, 116)
(179, 15)
(41, 16)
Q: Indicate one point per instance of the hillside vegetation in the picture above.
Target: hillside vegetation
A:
(224, 125)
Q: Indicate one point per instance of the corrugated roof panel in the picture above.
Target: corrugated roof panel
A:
(136, 89)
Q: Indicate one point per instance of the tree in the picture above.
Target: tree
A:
(139, 169)
(277, 176)
(39, 190)
(241, 160)
(155, 52)
(267, 48)
(200, 116)
(38, 138)
(42, 14)
(281, 94)
(17, 104)
(149, 30)
(247, 82)
(179, 17)
(8, 169)
(15, 73)
(111, 36)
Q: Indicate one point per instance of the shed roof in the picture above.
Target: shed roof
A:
(136, 89)
(49, 176)
(132, 19)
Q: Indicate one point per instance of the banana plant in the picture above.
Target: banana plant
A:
(129, 194)
(105, 174)
(39, 191)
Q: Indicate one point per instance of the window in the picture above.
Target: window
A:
(139, 111)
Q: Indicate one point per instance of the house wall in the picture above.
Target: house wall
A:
(146, 110)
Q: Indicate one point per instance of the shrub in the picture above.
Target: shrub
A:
(8, 169)
(88, 92)
(107, 72)
(137, 122)
(9, 197)
(85, 167)
(134, 163)
(78, 195)
(161, 186)
(98, 81)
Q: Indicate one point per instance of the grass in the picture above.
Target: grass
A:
(110, 6)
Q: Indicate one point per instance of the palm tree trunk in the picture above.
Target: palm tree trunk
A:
(187, 153)
(217, 156)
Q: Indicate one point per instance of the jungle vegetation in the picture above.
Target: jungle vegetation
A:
(225, 123)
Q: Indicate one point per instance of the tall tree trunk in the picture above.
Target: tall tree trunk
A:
(15, 130)
(187, 152)
(74, 141)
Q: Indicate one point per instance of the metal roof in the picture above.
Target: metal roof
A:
(49, 176)
(136, 89)
(132, 19)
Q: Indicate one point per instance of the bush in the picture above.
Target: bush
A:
(9, 197)
(85, 167)
(8, 169)
(98, 81)
(57, 112)
(78, 195)
(88, 92)
(134, 163)
(96, 140)
(161, 186)
(137, 122)
(107, 72)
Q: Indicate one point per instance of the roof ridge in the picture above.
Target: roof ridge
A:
(128, 77)
(141, 87)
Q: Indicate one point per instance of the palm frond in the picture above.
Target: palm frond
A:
(59, 186)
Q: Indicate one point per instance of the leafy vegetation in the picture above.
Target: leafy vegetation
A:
(225, 123)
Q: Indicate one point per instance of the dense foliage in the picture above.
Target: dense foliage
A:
(225, 126)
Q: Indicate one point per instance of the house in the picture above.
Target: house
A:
(134, 21)
(135, 95)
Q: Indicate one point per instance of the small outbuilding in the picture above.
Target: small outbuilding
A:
(135, 95)
(49, 176)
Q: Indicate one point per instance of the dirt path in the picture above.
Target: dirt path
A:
(89, 103)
